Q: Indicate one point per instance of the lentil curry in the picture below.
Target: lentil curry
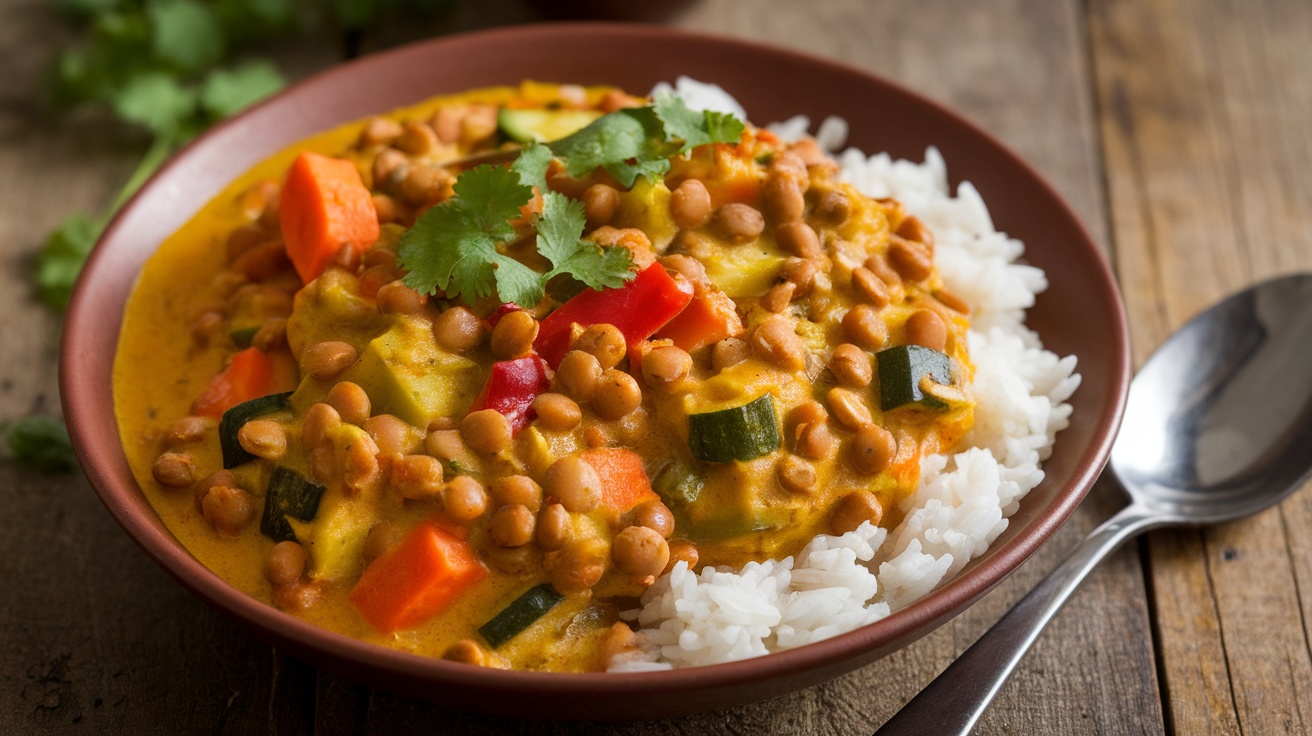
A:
(410, 461)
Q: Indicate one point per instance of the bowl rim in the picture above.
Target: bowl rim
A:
(125, 503)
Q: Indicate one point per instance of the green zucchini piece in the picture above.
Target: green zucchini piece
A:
(289, 494)
(678, 485)
(236, 417)
(741, 433)
(242, 336)
(736, 525)
(519, 615)
(900, 371)
(539, 125)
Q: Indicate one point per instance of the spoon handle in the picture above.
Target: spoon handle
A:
(955, 700)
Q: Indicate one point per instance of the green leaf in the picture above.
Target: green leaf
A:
(61, 260)
(186, 33)
(245, 20)
(116, 50)
(41, 442)
(560, 240)
(695, 128)
(228, 91)
(532, 164)
(517, 283)
(86, 9)
(492, 197)
(357, 13)
(158, 101)
(453, 245)
(627, 143)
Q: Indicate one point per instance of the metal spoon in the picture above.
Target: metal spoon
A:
(1218, 426)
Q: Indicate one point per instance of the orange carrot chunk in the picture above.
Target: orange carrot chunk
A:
(624, 482)
(412, 582)
(324, 206)
(709, 318)
(250, 374)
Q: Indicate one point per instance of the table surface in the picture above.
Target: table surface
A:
(1177, 129)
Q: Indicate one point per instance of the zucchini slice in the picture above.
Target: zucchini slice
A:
(236, 417)
(678, 485)
(242, 336)
(539, 125)
(289, 494)
(740, 433)
(900, 370)
(520, 614)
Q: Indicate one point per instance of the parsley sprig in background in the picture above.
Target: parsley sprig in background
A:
(168, 69)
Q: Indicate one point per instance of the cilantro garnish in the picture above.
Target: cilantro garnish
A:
(458, 245)
(40, 442)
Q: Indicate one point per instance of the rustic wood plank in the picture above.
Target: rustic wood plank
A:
(124, 649)
(1206, 109)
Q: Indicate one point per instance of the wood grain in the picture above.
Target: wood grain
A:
(1176, 128)
(1205, 111)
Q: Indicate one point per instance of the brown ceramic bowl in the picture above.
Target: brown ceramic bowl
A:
(1080, 314)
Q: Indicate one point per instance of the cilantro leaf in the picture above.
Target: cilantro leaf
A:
(456, 246)
(492, 197)
(227, 91)
(627, 143)
(532, 164)
(186, 33)
(41, 442)
(157, 101)
(60, 261)
(695, 128)
(453, 245)
(560, 240)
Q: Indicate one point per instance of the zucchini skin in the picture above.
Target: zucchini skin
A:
(236, 417)
(288, 494)
(900, 371)
(739, 433)
(520, 614)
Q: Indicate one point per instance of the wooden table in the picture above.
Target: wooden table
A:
(1178, 129)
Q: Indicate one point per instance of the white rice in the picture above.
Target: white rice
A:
(837, 584)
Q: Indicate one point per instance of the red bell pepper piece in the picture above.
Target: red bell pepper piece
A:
(638, 308)
(511, 387)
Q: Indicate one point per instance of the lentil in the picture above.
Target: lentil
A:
(327, 359)
(486, 431)
(853, 510)
(574, 483)
(464, 499)
(557, 412)
(511, 526)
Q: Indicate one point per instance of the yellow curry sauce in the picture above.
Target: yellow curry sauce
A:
(806, 279)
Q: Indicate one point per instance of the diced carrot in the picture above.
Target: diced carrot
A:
(250, 374)
(624, 482)
(709, 318)
(414, 580)
(323, 207)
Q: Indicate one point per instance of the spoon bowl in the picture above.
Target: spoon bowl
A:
(1217, 427)
(1219, 419)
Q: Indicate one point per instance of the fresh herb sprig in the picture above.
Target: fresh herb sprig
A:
(459, 246)
(41, 442)
(168, 67)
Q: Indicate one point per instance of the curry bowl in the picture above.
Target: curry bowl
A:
(1079, 314)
